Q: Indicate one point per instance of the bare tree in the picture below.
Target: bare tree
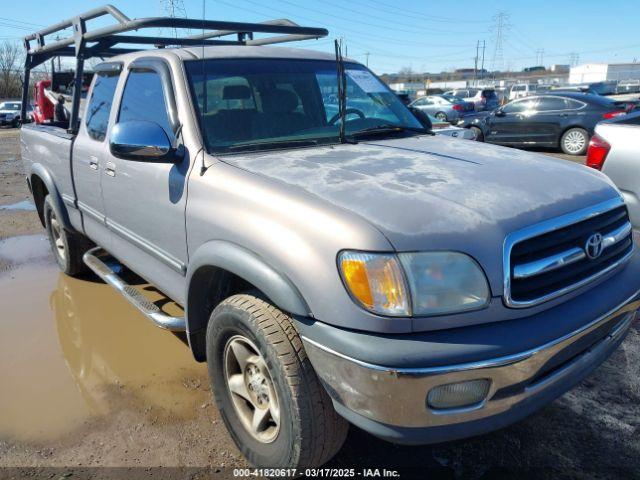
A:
(10, 83)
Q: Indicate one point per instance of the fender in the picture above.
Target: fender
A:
(250, 267)
(246, 265)
(39, 170)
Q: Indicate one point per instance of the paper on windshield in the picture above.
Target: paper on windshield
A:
(366, 81)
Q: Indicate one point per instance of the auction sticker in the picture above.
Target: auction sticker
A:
(366, 81)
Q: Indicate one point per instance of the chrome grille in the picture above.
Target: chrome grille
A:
(552, 258)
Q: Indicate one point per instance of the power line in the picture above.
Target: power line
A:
(173, 9)
(500, 27)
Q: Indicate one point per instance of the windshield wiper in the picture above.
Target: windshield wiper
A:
(386, 128)
(273, 144)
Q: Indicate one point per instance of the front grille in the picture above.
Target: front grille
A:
(556, 258)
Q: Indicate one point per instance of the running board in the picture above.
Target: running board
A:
(132, 294)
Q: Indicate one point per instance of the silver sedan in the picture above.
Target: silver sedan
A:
(614, 150)
(446, 109)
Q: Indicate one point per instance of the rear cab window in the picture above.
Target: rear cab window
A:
(100, 103)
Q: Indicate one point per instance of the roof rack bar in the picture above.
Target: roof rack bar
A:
(221, 33)
(88, 15)
(159, 22)
(281, 39)
(169, 41)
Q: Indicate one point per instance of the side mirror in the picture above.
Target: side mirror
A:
(500, 113)
(141, 140)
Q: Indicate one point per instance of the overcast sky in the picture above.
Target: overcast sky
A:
(424, 35)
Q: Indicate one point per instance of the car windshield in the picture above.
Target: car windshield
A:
(9, 106)
(255, 103)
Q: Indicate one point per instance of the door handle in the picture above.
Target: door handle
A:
(110, 169)
(93, 163)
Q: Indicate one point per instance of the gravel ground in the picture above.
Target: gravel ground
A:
(591, 432)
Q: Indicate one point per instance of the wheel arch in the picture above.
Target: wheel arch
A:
(219, 269)
(42, 184)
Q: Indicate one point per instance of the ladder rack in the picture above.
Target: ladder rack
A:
(102, 42)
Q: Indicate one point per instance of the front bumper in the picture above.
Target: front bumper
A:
(391, 402)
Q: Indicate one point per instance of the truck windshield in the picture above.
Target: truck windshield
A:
(250, 104)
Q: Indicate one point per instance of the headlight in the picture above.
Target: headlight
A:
(438, 282)
(444, 282)
(376, 281)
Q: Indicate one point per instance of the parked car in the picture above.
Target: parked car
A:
(445, 128)
(628, 86)
(522, 90)
(482, 98)
(10, 114)
(442, 107)
(596, 88)
(554, 120)
(614, 151)
(333, 269)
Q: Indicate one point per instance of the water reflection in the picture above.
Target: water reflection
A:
(72, 349)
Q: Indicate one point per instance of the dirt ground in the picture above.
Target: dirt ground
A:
(86, 381)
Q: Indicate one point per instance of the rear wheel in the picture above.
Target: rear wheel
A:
(67, 247)
(268, 394)
(575, 141)
(441, 116)
(477, 134)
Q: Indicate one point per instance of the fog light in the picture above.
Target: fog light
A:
(458, 395)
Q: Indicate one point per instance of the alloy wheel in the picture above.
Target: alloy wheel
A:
(251, 388)
(574, 142)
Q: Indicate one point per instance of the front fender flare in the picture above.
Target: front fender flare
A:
(249, 266)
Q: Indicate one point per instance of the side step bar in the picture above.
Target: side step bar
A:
(132, 294)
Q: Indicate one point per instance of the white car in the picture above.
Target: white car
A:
(445, 128)
(614, 150)
(522, 90)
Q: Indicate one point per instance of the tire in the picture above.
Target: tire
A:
(306, 431)
(575, 141)
(441, 116)
(477, 133)
(67, 247)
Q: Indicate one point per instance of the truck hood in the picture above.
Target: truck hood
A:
(434, 192)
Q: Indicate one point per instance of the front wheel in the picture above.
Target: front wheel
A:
(575, 141)
(478, 136)
(268, 394)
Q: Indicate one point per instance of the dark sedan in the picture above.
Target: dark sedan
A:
(564, 120)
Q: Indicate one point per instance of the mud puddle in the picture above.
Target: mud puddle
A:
(72, 350)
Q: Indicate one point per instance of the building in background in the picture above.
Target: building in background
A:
(603, 72)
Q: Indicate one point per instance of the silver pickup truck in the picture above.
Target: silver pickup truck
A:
(336, 264)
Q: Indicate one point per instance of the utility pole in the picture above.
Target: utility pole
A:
(484, 46)
(367, 57)
(499, 29)
(540, 56)
(475, 65)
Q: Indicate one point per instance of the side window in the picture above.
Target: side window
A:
(519, 106)
(143, 99)
(573, 104)
(420, 102)
(99, 107)
(548, 104)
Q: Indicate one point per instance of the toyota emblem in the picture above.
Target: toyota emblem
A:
(593, 248)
